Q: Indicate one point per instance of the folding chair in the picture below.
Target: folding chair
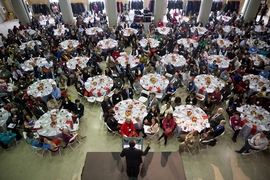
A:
(144, 96)
(91, 99)
(168, 75)
(100, 99)
(54, 150)
(13, 141)
(254, 151)
(111, 131)
(192, 151)
(38, 151)
(153, 136)
(101, 118)
(76, 125)
(73, 141)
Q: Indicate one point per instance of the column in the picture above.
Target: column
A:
(160, 10)
(21, 11)
(110, 6)
(205, 10)
(251, 10)
(66, 10)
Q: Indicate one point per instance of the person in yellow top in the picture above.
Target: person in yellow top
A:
(143, 59)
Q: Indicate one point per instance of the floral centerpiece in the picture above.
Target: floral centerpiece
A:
(153, 80)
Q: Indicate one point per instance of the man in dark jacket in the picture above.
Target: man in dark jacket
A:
(133, 158)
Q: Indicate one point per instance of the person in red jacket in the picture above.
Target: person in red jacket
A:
(127, 128)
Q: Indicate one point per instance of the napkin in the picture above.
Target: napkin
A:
(253, 129)
(150, 88)
(91, 91)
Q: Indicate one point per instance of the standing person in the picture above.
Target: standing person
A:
(133, 158)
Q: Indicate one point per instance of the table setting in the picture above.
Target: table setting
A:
(107, 44)
(92, 31)
(70, 43)
(254, 119)
(208, 83)
(91, 19)
(227, 29)
(77, 61)
(30, 44)
(49, 20)
(30, 31)
(177, 60)
(182, 18)
(51, 123)
(223, 42)
(190, 118)
(201, 30)
(128, 31)
(224, 18)
(128, 59)
(153, 42)
(260, 28)
(29, 65)
(261, 44)
(163, 30)
(257, 82)
(187, 41)
(59, 31)
(257, 58)
(98, 85)
(154, 82)
(129, 108)
(40, 88)
(4, 115)
(222, 61)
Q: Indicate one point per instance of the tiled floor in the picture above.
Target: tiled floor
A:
(217, 163)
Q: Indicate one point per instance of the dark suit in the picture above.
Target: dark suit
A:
(216, 121)
(116, 98)
(133, 159)
(125, 95)
(170, 69)
(78, 110)
(105, 104)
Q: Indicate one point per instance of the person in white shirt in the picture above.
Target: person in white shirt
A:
(257, 142)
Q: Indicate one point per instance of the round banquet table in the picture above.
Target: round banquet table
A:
(208, 83)
(49, 20)
(256, 58)
(154, 82)
(224, 18)
(77, 61)
(4, 115)
(30, 44)
(223, 42)
(98, 85)
(59, 31)
(30, 31)
(259, 28)
(182, 18)
(261, 44)
(128, 59)
(128, 31)
(91, 19)
(153, 42)
(50, 123)
(222, 61)
(254, 119)
(107, 44)
(177, 60)
(92, 31)
(28, 65)
(201, 30)
(163, 30)
(40, 88)
(187, 41)
(227, 29)
(257, 82)
(190, 118)
(66, 43)
(129, 108)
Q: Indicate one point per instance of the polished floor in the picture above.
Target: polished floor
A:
(217, 163)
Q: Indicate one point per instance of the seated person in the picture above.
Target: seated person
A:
(215, 119)
(29, 123)
(67, 104)
(52, 103)
(46, 144)
(176, 102)
(235, 123)
(116, 97)
(257, 142)
(78, 109)
(127, 128)
(31, 140)
(191, 99)
(168, 125)
(137, 86)
(208, 105)
(106, 103)
(127, 93)
(191, 141)
(66, 135)
(7, 136)
(219, 129)
(265, 73)
(207, 136)
(152, 129)
(56, 92)
(79, 88)
(112, 123)
(170, 92)
(164, 110)
(147, 120)
(216, 96)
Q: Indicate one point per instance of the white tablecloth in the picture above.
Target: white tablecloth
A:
(256, 58)
(257, 82)
(260, 28)
(153, 42)
(154, 82)
(227, 29)
(92, 31)
(91, 19)
(30, 44)
(175, 59)
(261, 44)
(124, 60)
(128, 31)
(36, 61)
(222, 61)
(208, 82)
(59, 31)
(224, 18)
(98, 85)
(182, 18)
(66, 43)
(190, 118)
(201, 30)
(4, 115)
(41, 88)
(187, 41)
(51, 127)
(107, 44)
(129, 108)
(223, 42)
(44, 22)
(77, 61)
(30, 31)
(163, 30)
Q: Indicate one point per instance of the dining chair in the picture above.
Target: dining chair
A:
(144, 96)
(91, 99)
(38, 151)
(254, 151)
(168, 75)
(101, 118)
(100, 99)
(74, 141)
(153, 136)
(54, 150)
(115, 133)
(76, 126)
(14, 142)
(193, 150)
